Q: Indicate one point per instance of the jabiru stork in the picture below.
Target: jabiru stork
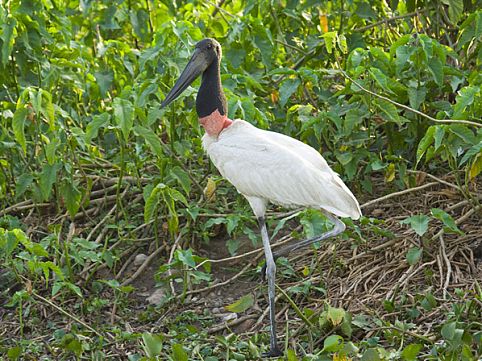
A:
(264, 166)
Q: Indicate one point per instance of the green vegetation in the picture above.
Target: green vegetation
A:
(93, 173)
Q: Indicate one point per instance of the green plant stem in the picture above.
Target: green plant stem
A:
(295, 307)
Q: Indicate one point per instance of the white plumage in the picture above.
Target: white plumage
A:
(263, 166)
(272, 167)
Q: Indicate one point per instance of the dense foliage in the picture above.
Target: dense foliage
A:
(91, 168)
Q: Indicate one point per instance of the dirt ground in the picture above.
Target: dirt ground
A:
(357, 272)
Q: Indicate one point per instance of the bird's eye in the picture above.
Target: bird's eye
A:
(210, 46)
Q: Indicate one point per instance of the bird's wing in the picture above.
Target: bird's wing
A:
(279, 169)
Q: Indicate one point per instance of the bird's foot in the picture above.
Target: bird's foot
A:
(273, 352)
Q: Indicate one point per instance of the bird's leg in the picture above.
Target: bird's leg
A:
(338, 228)
(271, 274)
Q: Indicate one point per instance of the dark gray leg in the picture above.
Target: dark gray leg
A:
(338, 228)
(271, 274)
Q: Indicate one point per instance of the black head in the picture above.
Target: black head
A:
(206, 52)
(211, 48)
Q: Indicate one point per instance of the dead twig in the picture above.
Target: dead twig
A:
(71, 316)
(396, 194)
(447, 264)
(225, 325)
(169, 270)
(143, 266)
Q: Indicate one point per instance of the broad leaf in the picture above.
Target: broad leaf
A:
(436, 68)
(447, 220)
(332, 343)
(152, 344)
(426, 141)
(93, 127)
(416, 96)
(48, 176)
(18, 126)
(242, 304)
(124, 115)
(287, 88)
(178, 353)
(150, 138)
(413, 255)
(72, 197)
(418, 223)
(411, 351)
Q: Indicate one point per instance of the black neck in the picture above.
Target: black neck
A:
(210, 96)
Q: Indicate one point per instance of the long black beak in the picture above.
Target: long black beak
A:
(193, 69)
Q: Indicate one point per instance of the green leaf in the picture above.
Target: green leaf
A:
(464, 99)
(8, 38)
(471, 153)
(413, 255)
(50, 150)
(9, 241)
(18, 126)
(124, 115)
(416, 96)
(14, 353)
(291, 355)
(342, 44)
(47, 179)
(447, 220)
(411, 351)
(436, 68)
(332, 343)
(232, 244)
(93, 127)
(242, 304)
(263, 40)
(476, 166)
(418, 223)
(152, 344)
(364, 10)
(183, 178)
(47, 107)
(185, 256)
(380, 78)
(335, 315)
(448, 331)
(72, 197)
(464, 133)
(151, 204)
(346, 327)
(456, 8)
(438, 136)
(371, 355)
(104, 80)
(287, 88)
(330, 40)
(23, 182)
(352, 118)
(178, 353)
(403, 54)
(429, 302)
(389, 110)
(426, 141)
(151, 138)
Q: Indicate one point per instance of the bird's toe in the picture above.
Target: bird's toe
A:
(273, 352)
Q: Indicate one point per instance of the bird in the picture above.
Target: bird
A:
(264, 166)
